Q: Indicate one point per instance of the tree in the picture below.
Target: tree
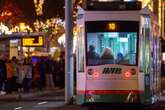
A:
(10, 14)
(53, 27)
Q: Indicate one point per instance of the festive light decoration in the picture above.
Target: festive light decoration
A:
(39, 6)
(4, 29)
(77, 2)
(22, 27)
(10, 14)
(53, 27)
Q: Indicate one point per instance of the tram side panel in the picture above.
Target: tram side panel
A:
(80, 53)
(148, 51)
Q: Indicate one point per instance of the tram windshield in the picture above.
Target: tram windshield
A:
(111, 48)
(111, 42)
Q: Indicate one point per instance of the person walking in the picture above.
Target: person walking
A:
(62, 70)
(27, 82)
(10, 74)
(14, 62)
(42, 71)
(3, 76)
(49, 73)
(21, 75)
(36, 76)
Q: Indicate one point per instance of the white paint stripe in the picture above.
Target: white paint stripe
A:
(17, 108)
(40, 103)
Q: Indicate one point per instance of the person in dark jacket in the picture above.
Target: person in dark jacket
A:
(49, 73)
(62, 70)
(92, 53)
(3, 76)
(42, 72)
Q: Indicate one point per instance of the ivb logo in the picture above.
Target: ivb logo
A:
(112, 71)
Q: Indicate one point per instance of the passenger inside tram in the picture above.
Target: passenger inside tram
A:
(93, 56)
(107, 56)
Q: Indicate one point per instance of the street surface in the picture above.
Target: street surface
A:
(60, 105)
(30, 105)
(54, 100)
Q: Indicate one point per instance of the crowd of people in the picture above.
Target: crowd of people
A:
(25, 75)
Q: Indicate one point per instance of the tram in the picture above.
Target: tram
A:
(118, 54)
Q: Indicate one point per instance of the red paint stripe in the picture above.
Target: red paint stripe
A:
(97, 92)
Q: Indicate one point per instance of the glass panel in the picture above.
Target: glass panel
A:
(111, 48)
(81, 50)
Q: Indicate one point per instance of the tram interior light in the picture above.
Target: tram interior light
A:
(112, 35)
(123, 39)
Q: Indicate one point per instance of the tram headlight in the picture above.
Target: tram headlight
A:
(127, 74)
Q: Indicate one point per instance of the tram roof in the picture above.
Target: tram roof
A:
(112, 5)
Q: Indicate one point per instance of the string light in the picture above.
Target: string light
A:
(39, 6)
(53, 26)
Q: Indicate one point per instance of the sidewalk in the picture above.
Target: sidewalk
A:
(35, 95)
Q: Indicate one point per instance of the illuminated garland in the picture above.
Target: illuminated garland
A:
(77, 2)
(52, 26)
(39, 6)
(10, 14)
(4, 29)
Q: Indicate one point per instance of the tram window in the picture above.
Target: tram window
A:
(112, 48)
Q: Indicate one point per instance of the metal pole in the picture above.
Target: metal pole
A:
(69, 66)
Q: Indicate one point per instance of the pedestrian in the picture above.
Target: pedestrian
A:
(21, 75)
(49, 73)
(42, 71)
(36, 76)
(55, 73)
(27, 82)
(10, 74)
(3, 76)
(14, 62)
(62, 70)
